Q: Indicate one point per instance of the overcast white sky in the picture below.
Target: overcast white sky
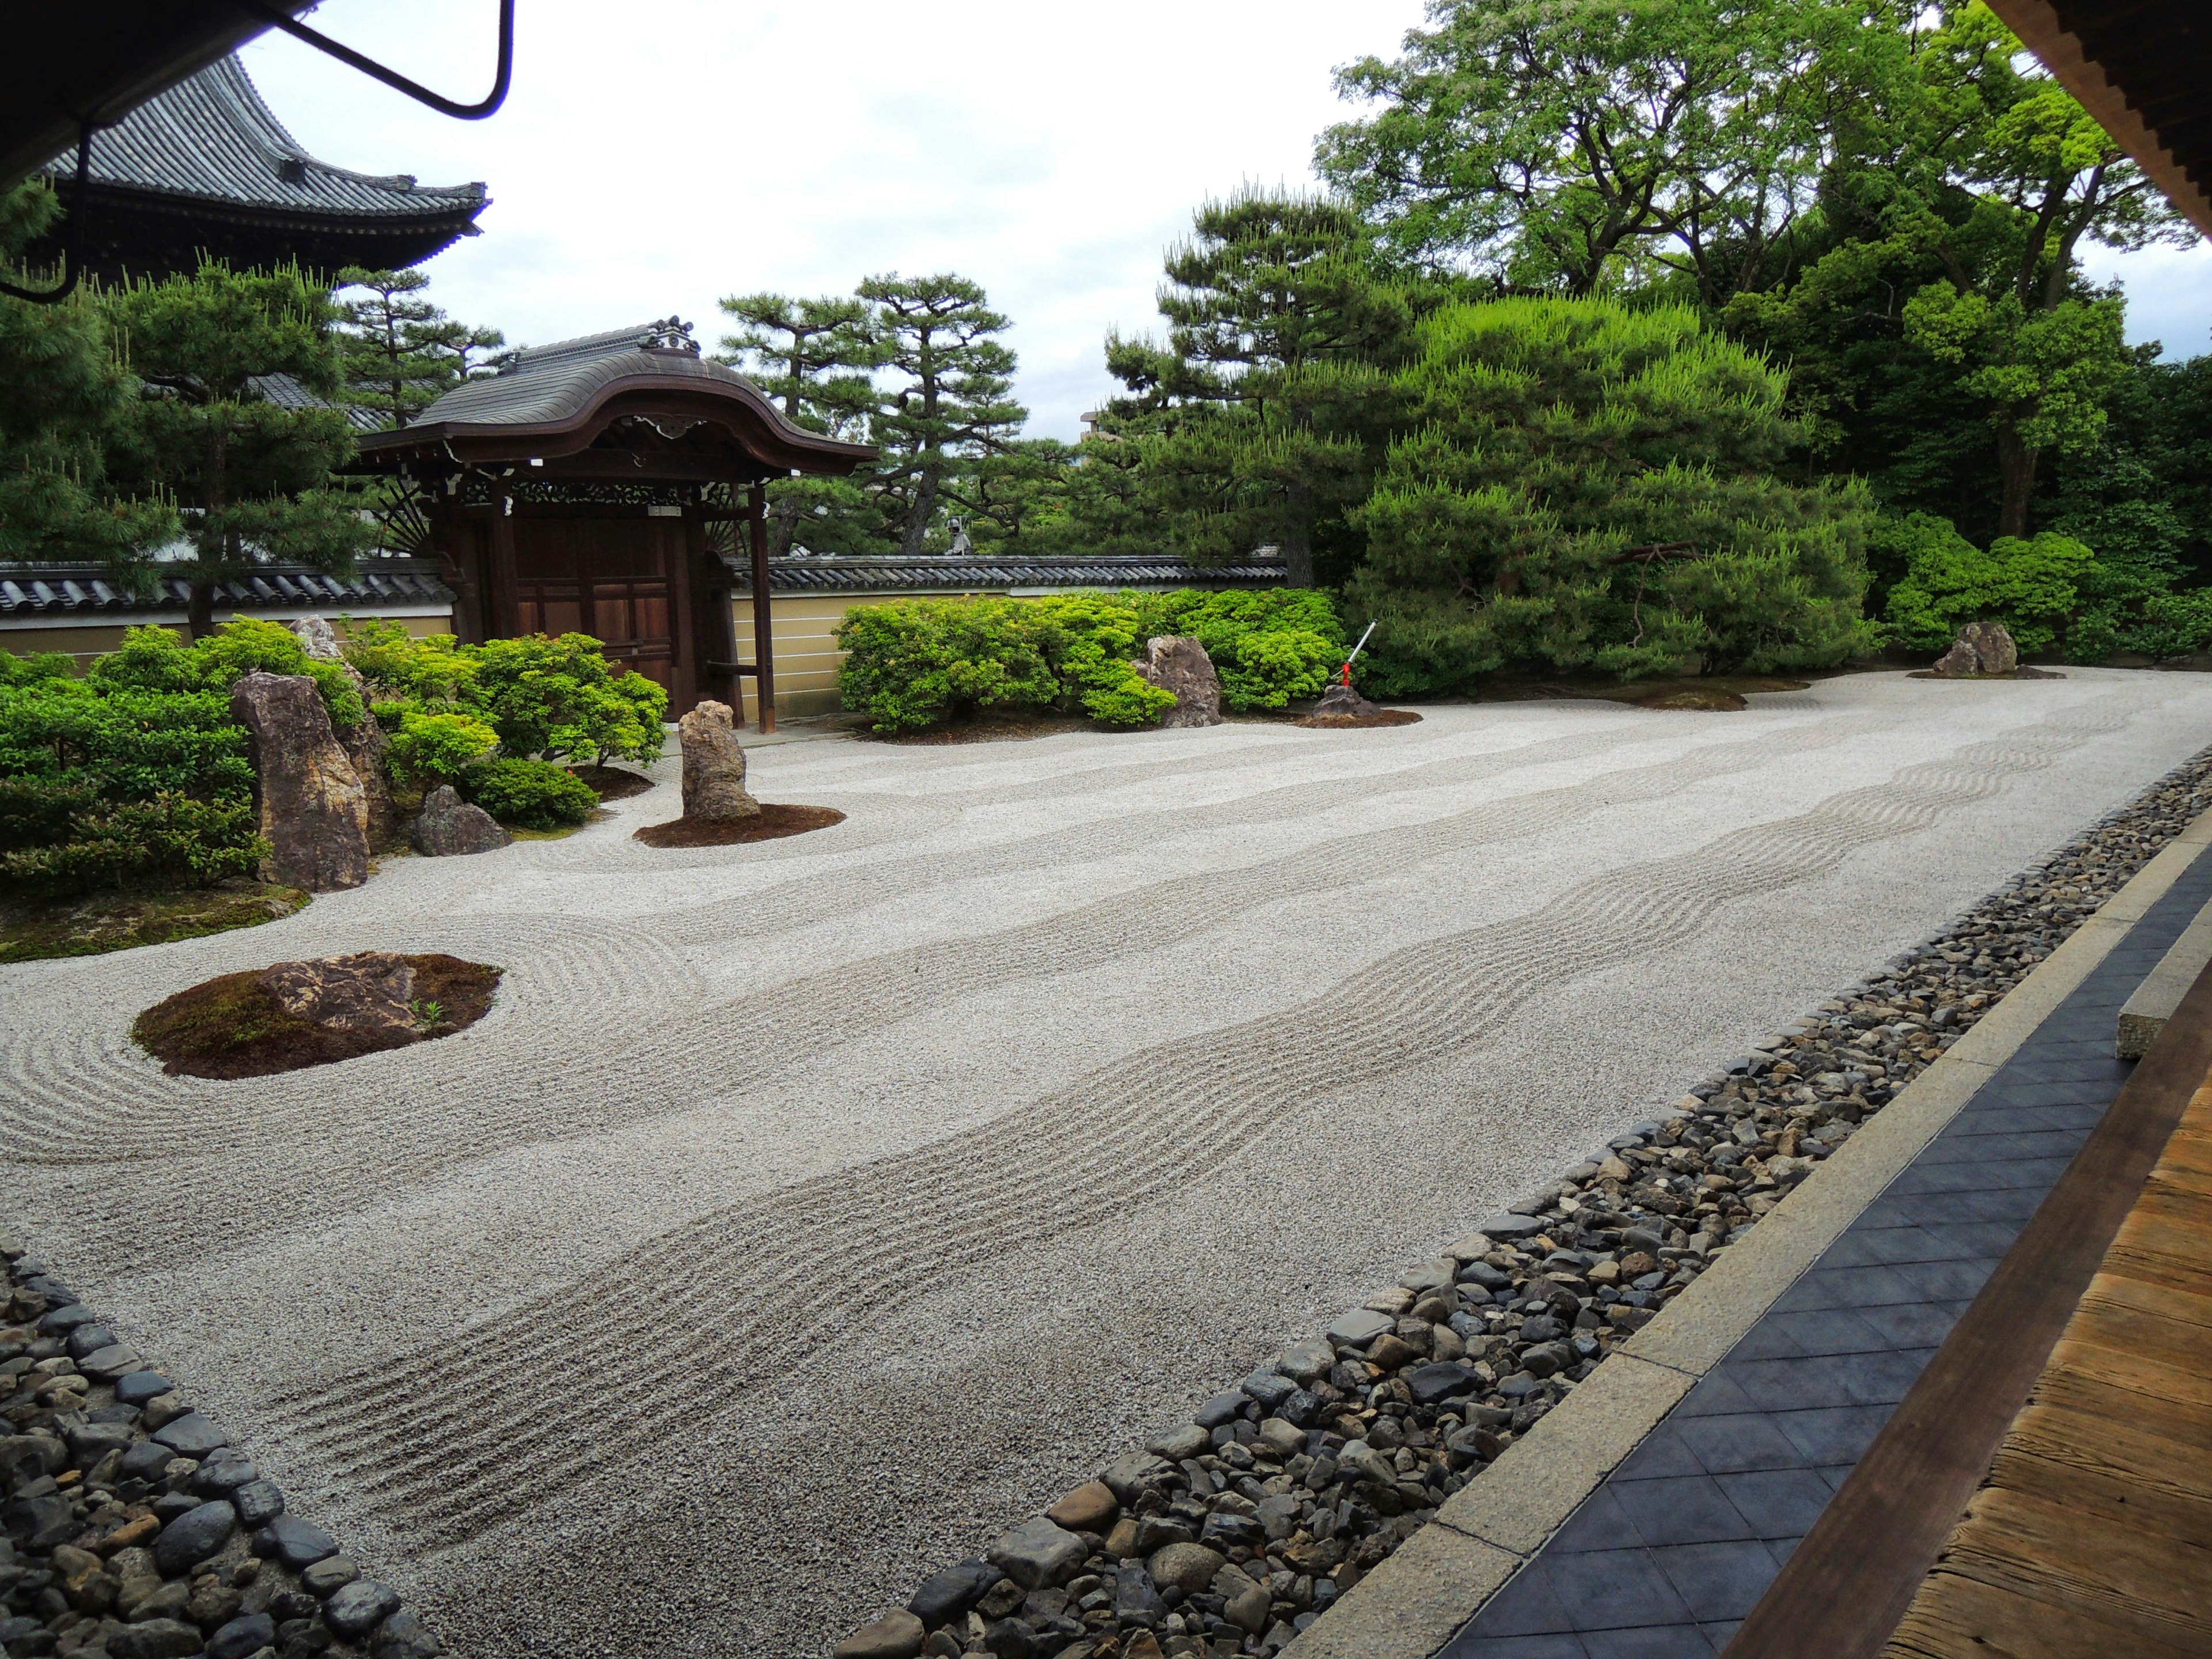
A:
(655, 156)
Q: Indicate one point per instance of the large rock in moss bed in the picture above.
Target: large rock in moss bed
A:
(449, 826)
(713, 766)
(296, 1014)
(313, 805)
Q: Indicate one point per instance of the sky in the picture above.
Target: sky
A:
(653, 158)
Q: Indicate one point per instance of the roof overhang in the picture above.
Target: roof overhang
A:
(770, 444)
(2143, 69)
(100, 59)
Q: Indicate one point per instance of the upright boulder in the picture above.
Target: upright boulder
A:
(713, 765)
(313, 807)
(450, 827)
(1982, 647)
(1179, 664)
(363, 741)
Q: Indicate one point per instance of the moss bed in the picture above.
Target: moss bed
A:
(772, 823)
(1348, 722)
(233, 1027)
(32, 930)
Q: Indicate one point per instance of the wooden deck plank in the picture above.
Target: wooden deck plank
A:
(2148, 1459)
(2145, 1585)
(2091, 1373)
(1973, 1620)
(2106, 1493)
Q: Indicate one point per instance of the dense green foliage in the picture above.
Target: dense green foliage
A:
(919, 663)
(1585, 484)
(539, 696)
(130, 776)
(529, 794)
(435, 749)
(2032, 586)
(162, 660)
(397, 353)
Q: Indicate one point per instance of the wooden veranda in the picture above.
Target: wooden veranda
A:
(582, 489)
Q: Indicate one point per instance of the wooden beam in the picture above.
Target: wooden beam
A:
(763, 632)
(1853, 1575)
(503, 601)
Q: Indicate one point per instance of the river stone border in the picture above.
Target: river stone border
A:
(1233, 1534)
(133, 1528)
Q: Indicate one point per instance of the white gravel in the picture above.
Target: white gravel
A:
(804, 1212)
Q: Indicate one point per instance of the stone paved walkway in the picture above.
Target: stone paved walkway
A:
(1670, 1552)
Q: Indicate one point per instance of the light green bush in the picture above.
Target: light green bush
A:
(435, 748)
(2032, 585)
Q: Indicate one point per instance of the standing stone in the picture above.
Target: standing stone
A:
(363, 741)
(713, 765)
(1179, 664)
(313, 808)
(450, 827)
(1982, 647)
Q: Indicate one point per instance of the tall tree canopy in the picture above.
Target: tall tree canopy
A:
(1571, 145)
(1582, 484)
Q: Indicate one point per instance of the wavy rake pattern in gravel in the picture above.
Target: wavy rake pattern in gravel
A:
(404, 1137)
(720, 1301)
(805, 901)
(78, 1091)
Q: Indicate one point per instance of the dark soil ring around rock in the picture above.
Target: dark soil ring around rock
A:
(615, 782)
(773, 822)
(1346, 722)
(232, 1026)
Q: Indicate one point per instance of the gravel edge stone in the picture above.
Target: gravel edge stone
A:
(133, 1527)
(1233, 1532)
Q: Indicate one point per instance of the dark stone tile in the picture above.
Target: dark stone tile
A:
(1960, 1148)
(1885, 1247)
(1777, 1502)
(1781, 1385)
(1466, 1645)
(1769, 1338)
(1836, 1475)
(1664, 1452)
(1716, 1395)
(2096, 1070)
(1916, 1325)
(2014, 1204)
(1896, 1209)
(1652, 1642)
(1881, 1379)
(1689, 1509)
(1839, 1434)
(1728, 1445)
(1721, 1634)
(1847, 1287)
(1528, 1606)
(1949, 1281)
(1829, 1330)
(2024, 1093)
(1783, 1548)
(1612, 1589)
(1718, 1581)
(1602, 1524)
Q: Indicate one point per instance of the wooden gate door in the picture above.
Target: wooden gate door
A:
(614, 579)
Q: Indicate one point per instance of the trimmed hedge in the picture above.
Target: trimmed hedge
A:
(529, 794)
(913, 663)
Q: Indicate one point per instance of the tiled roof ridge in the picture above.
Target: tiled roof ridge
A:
(213, 138)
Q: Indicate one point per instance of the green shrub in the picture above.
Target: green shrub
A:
(560, 699)
(402, 668)
(39, 665)
(529, 794)
(2032, 585)
(917, 663)
(435, 748)
(171, 841)
(160, 660)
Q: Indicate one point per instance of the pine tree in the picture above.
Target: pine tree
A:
(813, 356)
(953, 407)
(63, 391)
(1266, 398)
(400, 354)
(252, 476)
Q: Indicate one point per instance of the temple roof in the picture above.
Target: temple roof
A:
(556, 400)
(206, 165)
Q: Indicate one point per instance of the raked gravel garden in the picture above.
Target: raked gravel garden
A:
(1095, 1200)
